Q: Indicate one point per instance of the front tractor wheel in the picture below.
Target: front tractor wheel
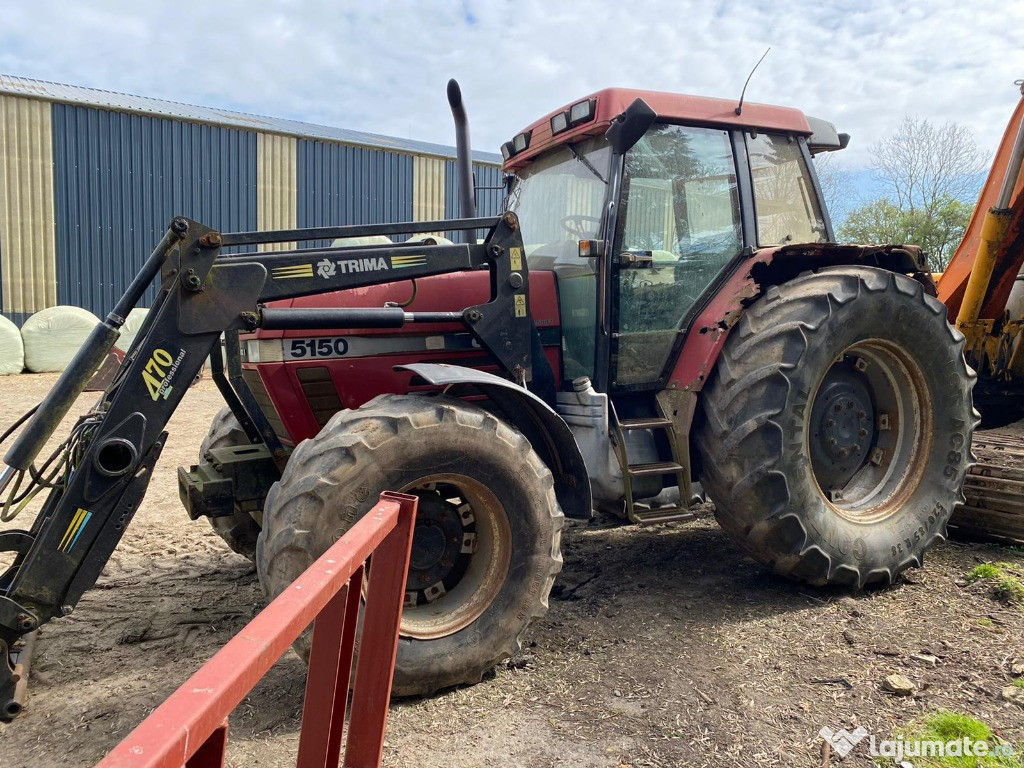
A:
(836, 429)
(239, 530)
(486, 546)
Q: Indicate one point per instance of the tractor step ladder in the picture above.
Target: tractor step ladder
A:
(644, 514)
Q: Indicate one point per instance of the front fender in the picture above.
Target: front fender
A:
(550, 437)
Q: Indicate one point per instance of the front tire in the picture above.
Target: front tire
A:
(836, 428)
(487, 542)
(239, 530)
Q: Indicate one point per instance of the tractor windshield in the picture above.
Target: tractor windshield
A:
(558, 199)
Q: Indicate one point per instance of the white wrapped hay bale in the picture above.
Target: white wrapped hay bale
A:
(12, 350)
(130, 329)
(53, 336)
(361, 242)
(430, 240)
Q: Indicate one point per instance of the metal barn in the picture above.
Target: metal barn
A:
(89, 180)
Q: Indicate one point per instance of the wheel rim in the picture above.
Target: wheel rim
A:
(460, 556)
(870, 423)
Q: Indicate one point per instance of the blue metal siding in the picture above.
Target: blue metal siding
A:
(119, 179)
(488, 201)
(340, 185)
(122, 102)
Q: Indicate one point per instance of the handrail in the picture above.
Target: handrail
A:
(190, 729)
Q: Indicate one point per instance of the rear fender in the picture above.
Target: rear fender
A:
(550, 437)
(761, 270)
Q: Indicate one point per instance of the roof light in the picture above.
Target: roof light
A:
(559, 122)
(506, 150)
(582, 112)
(521, 141)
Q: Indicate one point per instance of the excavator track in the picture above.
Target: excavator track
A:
(994, 488)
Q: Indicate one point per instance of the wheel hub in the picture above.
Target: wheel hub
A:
(843, 427)
(437, 543)
(461, 550)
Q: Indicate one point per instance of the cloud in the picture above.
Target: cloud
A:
(382, 67)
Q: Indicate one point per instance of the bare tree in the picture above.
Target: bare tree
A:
(921, 165)
(930, 178)
(835, 184)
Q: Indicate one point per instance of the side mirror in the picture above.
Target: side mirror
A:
(825, 138)
(627, 129)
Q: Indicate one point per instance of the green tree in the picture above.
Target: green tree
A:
(930, 175)
(938, 233)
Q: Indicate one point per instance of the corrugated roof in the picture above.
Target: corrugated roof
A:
(123, 102)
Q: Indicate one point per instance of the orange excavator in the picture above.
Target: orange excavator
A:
(983, 289)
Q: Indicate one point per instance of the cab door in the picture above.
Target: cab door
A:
(679, 225)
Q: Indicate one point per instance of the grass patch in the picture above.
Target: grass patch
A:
(945, 726)
(1018, 683)
(1010, 590)
(1007, 581)
(985, 571)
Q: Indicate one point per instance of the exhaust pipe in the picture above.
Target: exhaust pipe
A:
(467, 193)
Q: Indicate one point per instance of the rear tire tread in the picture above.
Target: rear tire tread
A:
(750, 389)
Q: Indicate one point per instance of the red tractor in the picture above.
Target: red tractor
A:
(693, 323)
(660, 313)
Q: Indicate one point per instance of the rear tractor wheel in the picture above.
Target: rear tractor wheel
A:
(486, 546)
(836, 429)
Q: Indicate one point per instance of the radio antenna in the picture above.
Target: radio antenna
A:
(739, 107)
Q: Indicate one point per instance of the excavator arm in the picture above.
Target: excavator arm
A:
(983, 289)
(977, 285)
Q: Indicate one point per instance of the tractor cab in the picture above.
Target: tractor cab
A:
(640, 234)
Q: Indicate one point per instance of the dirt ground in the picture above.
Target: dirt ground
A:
(664, 646)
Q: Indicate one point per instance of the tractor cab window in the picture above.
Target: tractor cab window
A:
(558, 199)
(787, 208)
(680, 226)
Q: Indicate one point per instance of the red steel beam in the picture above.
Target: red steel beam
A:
(190, 727)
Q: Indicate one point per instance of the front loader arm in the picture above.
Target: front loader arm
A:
(107, 463)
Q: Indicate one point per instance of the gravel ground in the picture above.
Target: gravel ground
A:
(664, 646)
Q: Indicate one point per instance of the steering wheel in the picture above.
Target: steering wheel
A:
(575, 225)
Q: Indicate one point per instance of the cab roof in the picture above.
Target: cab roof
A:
(670, 107)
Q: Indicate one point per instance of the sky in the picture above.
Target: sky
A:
(382, 66)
